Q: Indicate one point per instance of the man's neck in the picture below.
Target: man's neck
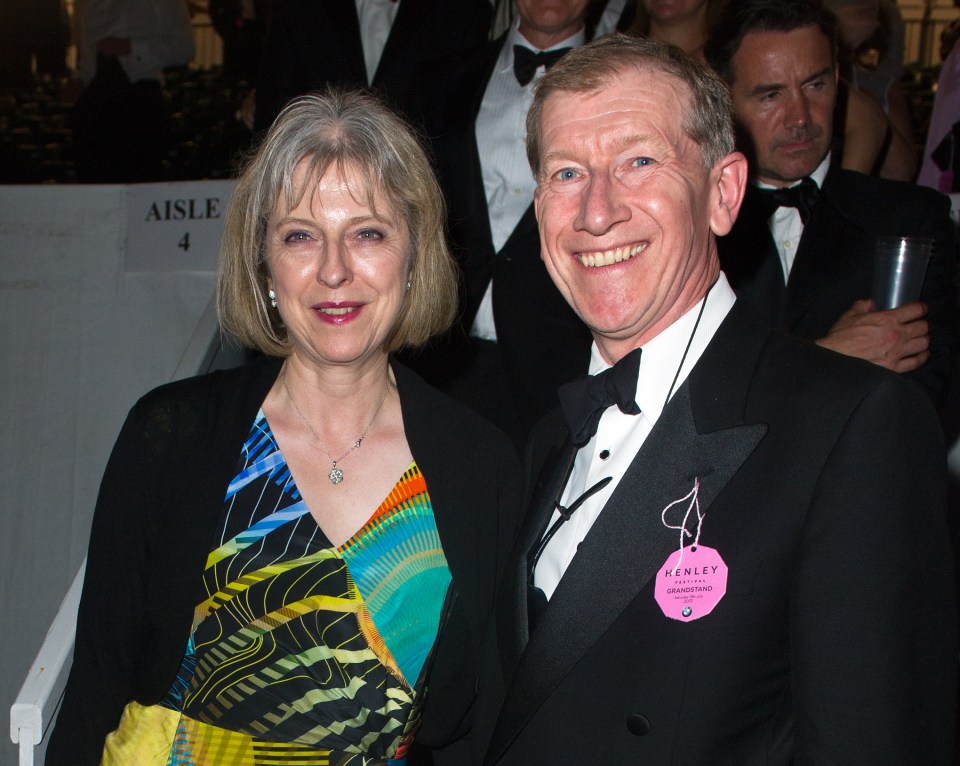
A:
(545, 40)
(817, 174)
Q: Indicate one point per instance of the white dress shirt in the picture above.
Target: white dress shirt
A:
(619, 437)
(500, 130)
(376, 20)
(159, 32)
(786, 226)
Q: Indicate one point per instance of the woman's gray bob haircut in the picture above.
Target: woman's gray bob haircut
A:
(335, 128)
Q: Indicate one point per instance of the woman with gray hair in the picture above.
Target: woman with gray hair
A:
(291, 562)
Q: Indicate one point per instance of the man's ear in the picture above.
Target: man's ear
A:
(728, 181)
(536, 211)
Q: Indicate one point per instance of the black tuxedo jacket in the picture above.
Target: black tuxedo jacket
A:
(836, 640)
(543, 343)
(314, 42)
(834, 262)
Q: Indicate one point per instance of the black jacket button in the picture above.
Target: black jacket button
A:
(638, 724)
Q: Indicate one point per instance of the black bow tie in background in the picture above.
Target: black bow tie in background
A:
(526, 61)
(803, 197)
(583, 401)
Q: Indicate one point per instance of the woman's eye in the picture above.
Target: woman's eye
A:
(370, 235)
(296, 236)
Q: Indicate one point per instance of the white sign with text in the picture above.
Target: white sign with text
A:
(175, 226)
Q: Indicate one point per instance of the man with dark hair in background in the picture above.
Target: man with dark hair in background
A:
(802, 250)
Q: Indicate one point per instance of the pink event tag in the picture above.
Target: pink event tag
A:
(692, 589)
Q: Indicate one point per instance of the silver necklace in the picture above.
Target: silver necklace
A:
(336, 474)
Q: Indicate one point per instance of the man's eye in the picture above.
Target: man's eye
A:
(567, 174)
(642, 162)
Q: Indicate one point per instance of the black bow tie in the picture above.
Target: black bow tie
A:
(526, 61)
(803, 197)
(583, 401)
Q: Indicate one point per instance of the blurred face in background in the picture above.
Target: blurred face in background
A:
(548, 22)
(673, 11)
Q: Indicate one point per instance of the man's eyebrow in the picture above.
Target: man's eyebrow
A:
(825, 72)
(633, 139)
(768, 87)
(557, 155)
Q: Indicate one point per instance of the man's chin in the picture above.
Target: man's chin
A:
(796, 164)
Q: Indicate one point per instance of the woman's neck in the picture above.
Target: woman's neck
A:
(690, 35)
(347, 394)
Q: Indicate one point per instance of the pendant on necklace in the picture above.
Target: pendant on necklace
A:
(335, 475)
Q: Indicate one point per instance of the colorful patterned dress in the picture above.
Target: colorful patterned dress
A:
(302, 653)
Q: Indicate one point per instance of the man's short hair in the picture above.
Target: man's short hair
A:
(742, 17)
(707, 121)
(331, 130)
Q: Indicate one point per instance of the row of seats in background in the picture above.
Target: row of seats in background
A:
(35, 136)
(36, 140)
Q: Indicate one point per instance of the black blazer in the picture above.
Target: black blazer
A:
(821, 484)
(543, 342)
(834, 262)
(314, 42)
(160, 501)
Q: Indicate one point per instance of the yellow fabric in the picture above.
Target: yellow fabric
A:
(142, 738)
(145, 734)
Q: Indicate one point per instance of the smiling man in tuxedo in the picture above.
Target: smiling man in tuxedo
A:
(729, 557)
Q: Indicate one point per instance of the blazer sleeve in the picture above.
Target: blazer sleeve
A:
(872, 610)
(112, 606)
(940, 293)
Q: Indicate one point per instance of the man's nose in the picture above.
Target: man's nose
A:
(798, 111)
(601, 206)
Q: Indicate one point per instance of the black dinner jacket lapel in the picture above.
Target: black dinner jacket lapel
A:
(453, 123)
(341, 29)
(749, 258)
(701, 434)
(831, 251)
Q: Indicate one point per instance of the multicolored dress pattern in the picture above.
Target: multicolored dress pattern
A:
(303, 652)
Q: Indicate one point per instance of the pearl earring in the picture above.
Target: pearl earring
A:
(273, 298)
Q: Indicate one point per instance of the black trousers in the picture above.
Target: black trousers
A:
(121, 132)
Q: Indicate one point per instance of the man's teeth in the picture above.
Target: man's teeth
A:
(337, 311)
(608, 257)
